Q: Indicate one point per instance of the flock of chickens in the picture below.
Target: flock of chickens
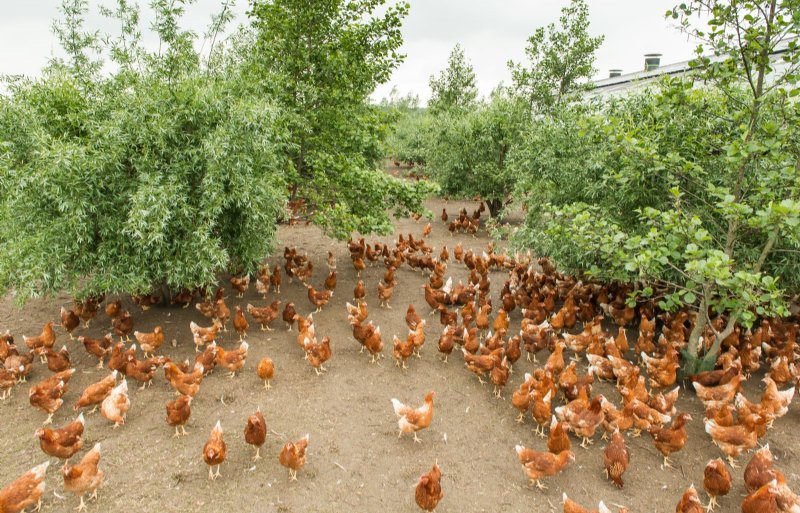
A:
(550, 305)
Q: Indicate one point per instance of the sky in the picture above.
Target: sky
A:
(492, 32)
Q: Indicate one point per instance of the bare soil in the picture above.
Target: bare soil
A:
(355, 461)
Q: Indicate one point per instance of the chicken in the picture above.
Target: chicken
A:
(265, 315)
(62, 443)
(142, 371)
(57, 362)
(150, 342)
(289, 315)
(319, 299)
(716, 481)
(208, 308)
(45, 340)
(144, 301)
(275, 279)
(208, 358)
(760, 471)
(358, 312)
(25, 491)
(223, 313)
(240, 284)
(331, 261)
(262, 282)
(47, 395)
(570, 506)
(537, 465)
(255, 431)
(499, 377)
(318, 353)
(359, 292)
(240, 324)
(429, 489)
(732, 439)
(123, 325)
(385, 292)
(558, 440)
(715, 396)
(410, 420)
(583, 419)
(447, 342)
(203, 336)
(669, 440)
(501, 321)
(293, 456)
(99, 348)
(374, 343)
(265, 371)
(663, 372)
(184, 298)
(69, 321)
(94, 394)
(774, 403)
(113, 309)
(232, 360)
(184, 383)
(690, 502)
(178, 413)
(7, 382)
(763, 500)
(115, 406)
(480, 364)
(330, 281)
(214, 451)
(402, 350)
(85, 476)
(412, 318)
(616, 458)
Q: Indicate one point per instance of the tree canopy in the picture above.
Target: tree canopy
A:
(691, 189)
(454, 88)
(320, 61)
(560, 60)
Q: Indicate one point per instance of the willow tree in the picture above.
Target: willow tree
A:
(321, 61)
(156, 175)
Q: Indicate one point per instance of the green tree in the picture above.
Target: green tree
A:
(454, 87)
(467, 151)
(321, 60)
(560, 60)
(410, 128)
(693, 191)
(159, 174)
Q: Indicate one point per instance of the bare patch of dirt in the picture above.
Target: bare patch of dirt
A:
(355, 461)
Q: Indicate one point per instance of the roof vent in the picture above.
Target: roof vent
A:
(652, 61)
(613, 73)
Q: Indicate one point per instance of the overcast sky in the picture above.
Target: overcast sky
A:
(491, 32)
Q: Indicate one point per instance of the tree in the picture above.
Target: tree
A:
(321, 60)
(455, 87)
(693, 192)
(560, 60)
(467, 152)
(410, 128)
(159, 174)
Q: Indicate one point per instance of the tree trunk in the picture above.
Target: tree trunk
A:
(495, 206)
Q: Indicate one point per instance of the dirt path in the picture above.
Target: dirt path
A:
(356, 462)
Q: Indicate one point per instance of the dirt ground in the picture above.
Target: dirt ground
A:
(355, 461)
